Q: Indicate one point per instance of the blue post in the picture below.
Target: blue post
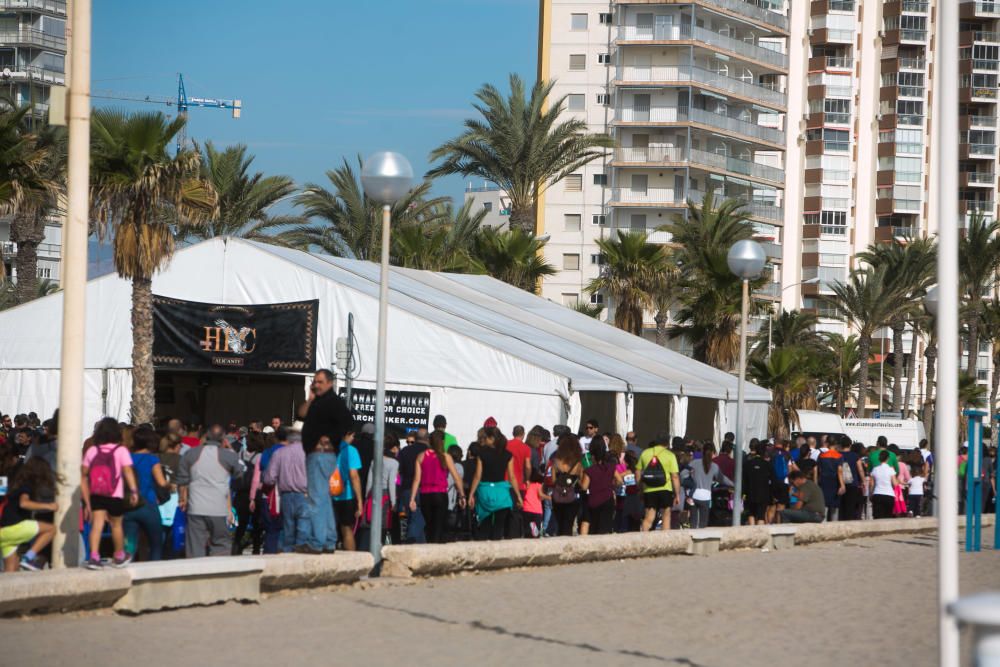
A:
(973, 482)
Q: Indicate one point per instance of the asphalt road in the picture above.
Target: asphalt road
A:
(856, 603)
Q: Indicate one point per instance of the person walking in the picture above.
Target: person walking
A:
(567, 466)
(600, 481)
(831, 478)
(105, 471)
(286, 472)
(659, 477)
(264, 501)
(407, 470)
(386, 491)
(491, 493)
(348, 506)
(706, 474)
(322, 534)
(433, 466)
(203, 482)
(152, 482)
(883, 483)
(758, 483)
(856, 482)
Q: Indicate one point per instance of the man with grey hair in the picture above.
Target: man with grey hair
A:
(203, 478)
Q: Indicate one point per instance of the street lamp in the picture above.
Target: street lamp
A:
(746, 260)
(386, 178)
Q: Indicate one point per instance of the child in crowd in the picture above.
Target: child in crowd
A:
(107, 465)
(533, 497)
(915, 501)
(33, 480)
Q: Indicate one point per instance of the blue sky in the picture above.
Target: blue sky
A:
(319, 79)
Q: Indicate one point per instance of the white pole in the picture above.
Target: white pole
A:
(66, 546)
(375, 539)
(881, 372)
(946, 413)
(738, 453)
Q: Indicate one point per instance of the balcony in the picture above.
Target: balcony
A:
(966, 122)
(831, 36)
(887, 206)
(662, 114)
(49, 6)
(666, 75)
(662, 155)
(897, 7)
(832, 232)
(977, 151)
(34, 38)
(771, 250)
(752, 11)
(821, 118)
(970, 65)
(824, 63)
(977, 179)
(671, 198)
(896, 36)
(887, 233)
(984, 36)
(976, 205)
(36, 74)
(658, 34)
(979, 9)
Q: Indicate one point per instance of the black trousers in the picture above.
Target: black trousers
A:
(241, 503)
(566, 514)
(850, 503)
(882, 506)
(434, 507)
(494, 527)
(602, 518)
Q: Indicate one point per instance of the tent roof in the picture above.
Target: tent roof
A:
(591, 355)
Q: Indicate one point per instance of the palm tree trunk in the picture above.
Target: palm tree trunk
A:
(898, 357)
(524, 219)
(26, 268)
(143, 399)
(861, 379)
(911, 368)
(996, 385)
(973, 348)
(661, 326)
(931, 354)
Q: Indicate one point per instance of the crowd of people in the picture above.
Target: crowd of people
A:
(172, 490)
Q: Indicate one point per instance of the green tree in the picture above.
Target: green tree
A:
(589, 309)
(629, 277)
(991, 332)
(443, 246)
(512, 256)
(521, 145)
(790, 328)
(346, 223)
(142, 196)
(869, 302)
(787, 373)
(245, 198)
(978, 263)
(708, 294)
(837, 368)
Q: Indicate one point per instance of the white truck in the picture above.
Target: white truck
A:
(905, 433)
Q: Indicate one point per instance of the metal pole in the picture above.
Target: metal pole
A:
(738, 453)
(770, 321)
(947, 406)
(348, 378)
(66, 545)
(375, 541)
(881, 372)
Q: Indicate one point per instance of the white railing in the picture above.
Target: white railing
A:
(664, 196)
(664, 114)
(754, 12)
(34, 38)
(664, 154)
(52, 6)
(981, 178)
(753, 91)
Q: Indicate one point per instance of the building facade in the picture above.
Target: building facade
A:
(32, 61)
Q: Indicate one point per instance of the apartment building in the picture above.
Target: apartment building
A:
(32, 61)
(694, 95)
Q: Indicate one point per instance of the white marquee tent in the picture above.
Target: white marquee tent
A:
(479, 346)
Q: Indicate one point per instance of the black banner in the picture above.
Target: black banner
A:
(275, 337)
(406, 410)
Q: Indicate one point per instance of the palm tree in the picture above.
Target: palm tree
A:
(793, 386)
(512, 256)
(520, 145)
(838, 367)
(791, 327)
(589, 309)
(244, 197)
(347, 223)
(868, 301)
(446, 245)
(909, 271)
(978, 263)
(991, 332)
(970, 392)
(708, 294)
(142, 196)
(632, 271)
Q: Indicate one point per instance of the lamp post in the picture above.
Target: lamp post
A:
(386, 178)
(746, 260)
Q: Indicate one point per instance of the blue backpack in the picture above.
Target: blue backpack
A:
(780, 464)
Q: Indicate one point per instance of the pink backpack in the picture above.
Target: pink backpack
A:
(103, 474)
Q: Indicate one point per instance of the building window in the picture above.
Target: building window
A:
(604, 58)
(576, 102)
(606, 19)
(597, 299)
(571, 262)
(637, 222)
(570, 299)
(44, 272)
(599, 220)
(574, 183)
(571, 222)
(600, 179)
(598, 259)
(577, 62)
(488, 205)
(603, 99)
(577, 21)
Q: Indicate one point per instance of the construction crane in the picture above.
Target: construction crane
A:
(182, 102)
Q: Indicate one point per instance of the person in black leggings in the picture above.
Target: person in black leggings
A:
(430, 478)
(600, 480)
(491, 495)
(566, 470)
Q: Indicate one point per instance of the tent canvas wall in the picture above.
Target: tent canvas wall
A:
(478, 346)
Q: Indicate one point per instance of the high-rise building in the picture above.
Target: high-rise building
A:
(32, 61)
(693, 94)
(816, 114)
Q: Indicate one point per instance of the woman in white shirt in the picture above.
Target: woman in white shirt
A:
(882, 482)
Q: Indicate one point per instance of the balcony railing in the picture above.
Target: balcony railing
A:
(665, 154)
(915, 6)
(978, 204)
(985, 6)
(835, 35)
(662, 114)
(33, 38)
(839, 62)
(909, 119)
(904, 205)
(672, 33)
(753, 91)
(754, 12)
(913, 63)
(671, 198)
(33, 73)
(830, 230)
(986, 36)
(836, 118)
(981, 177)
(841, 5)
(51, 6)
(911, 91)
(982, 63)
(981, 149)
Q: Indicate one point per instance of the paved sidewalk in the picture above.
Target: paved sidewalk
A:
(859, 602)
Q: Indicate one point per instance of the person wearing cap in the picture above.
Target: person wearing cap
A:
(203, 481)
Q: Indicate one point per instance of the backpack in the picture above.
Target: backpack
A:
(336, 482)
(780, 464)
(848, 473)
(653, 475)
(103, 474)
(564, 491)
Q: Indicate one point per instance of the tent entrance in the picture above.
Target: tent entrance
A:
(209, 397)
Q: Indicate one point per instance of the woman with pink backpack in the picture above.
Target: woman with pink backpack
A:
(107, 466)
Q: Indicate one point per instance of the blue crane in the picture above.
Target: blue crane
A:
(182, 102)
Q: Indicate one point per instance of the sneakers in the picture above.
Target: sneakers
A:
(306, 549)
(123, 561)
(33, 564)
(94, 564)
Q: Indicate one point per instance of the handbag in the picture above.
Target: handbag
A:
(163, 494)
(336, 482)
(274, 502)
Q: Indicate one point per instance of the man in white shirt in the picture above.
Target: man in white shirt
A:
(589, 431)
